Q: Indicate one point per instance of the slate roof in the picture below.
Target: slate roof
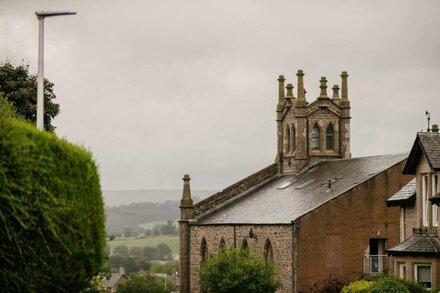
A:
(429, 144)
(114, 279)
(288, 197)
(417, 244)
(406, 195)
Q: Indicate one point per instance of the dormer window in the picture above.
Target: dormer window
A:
(329, 141)
(315, 137)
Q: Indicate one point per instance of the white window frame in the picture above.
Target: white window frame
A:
(434, 189)
(402, 270)
(416, 266)
(425, 203)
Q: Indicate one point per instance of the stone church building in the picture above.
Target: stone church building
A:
(314, 212)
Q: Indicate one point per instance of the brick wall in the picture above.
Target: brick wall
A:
(333, 238)
(280, 237)
(235, 189)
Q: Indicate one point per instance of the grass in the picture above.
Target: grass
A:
(153, 241)
(150, 225)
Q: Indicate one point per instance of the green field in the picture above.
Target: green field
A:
(171, 241)
(150, 225)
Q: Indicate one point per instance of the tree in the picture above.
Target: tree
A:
(169, 267)
(121, 250)
(156, 230)
(136, 251)
(144, 284)
(128, 232)
(52, 235)
(149, 252)
(163, 252)
(234, 270)
(19, 87)
(168, 229)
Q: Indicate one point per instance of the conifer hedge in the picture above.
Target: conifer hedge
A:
(52, 234)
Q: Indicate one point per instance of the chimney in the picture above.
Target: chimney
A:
(323, 87)
(281, 94)
(434, 128)
(121, 271)
(301, 100)
(344, 90)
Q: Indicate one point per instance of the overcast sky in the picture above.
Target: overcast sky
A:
(156, 89)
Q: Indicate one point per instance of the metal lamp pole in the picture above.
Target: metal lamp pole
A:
(40, 89)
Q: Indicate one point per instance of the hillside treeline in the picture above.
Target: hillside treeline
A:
(129, 217)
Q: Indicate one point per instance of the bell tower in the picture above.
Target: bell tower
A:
(307, 132)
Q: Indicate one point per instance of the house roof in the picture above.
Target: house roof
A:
(288, 197)
(429, 144)
(417, 244)
(114, 279)
(405, 195)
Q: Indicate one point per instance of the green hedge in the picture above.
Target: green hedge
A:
(51, 211)
(361, 286)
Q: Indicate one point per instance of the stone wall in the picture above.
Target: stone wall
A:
(333, 238)
(280, 237)
(230, 192)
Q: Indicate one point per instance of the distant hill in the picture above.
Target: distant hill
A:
(131, 208)
(126, 197)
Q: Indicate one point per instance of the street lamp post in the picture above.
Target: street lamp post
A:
(40, 89)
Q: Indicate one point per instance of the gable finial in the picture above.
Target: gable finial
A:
(428, 117)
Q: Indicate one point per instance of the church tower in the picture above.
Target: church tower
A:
(307, 132)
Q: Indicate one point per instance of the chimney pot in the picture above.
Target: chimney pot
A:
(434, 128)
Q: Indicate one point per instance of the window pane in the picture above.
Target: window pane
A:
(425, 203)
(329, 138)
(423, 274)
(315, 137)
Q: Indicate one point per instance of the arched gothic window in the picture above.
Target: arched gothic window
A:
(222, 244)
(244, 245)
(203, 251)
(293, 144)
(287, 150)
(329, 135)
(268, 252)
(315, 137)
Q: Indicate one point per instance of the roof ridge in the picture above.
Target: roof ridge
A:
(432, 243)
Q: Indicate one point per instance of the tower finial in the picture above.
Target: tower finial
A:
(289, 88)
(323, 87)
(344, 90)
(335, 89)
(186, 200)
(281, 94)
(301, 100)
